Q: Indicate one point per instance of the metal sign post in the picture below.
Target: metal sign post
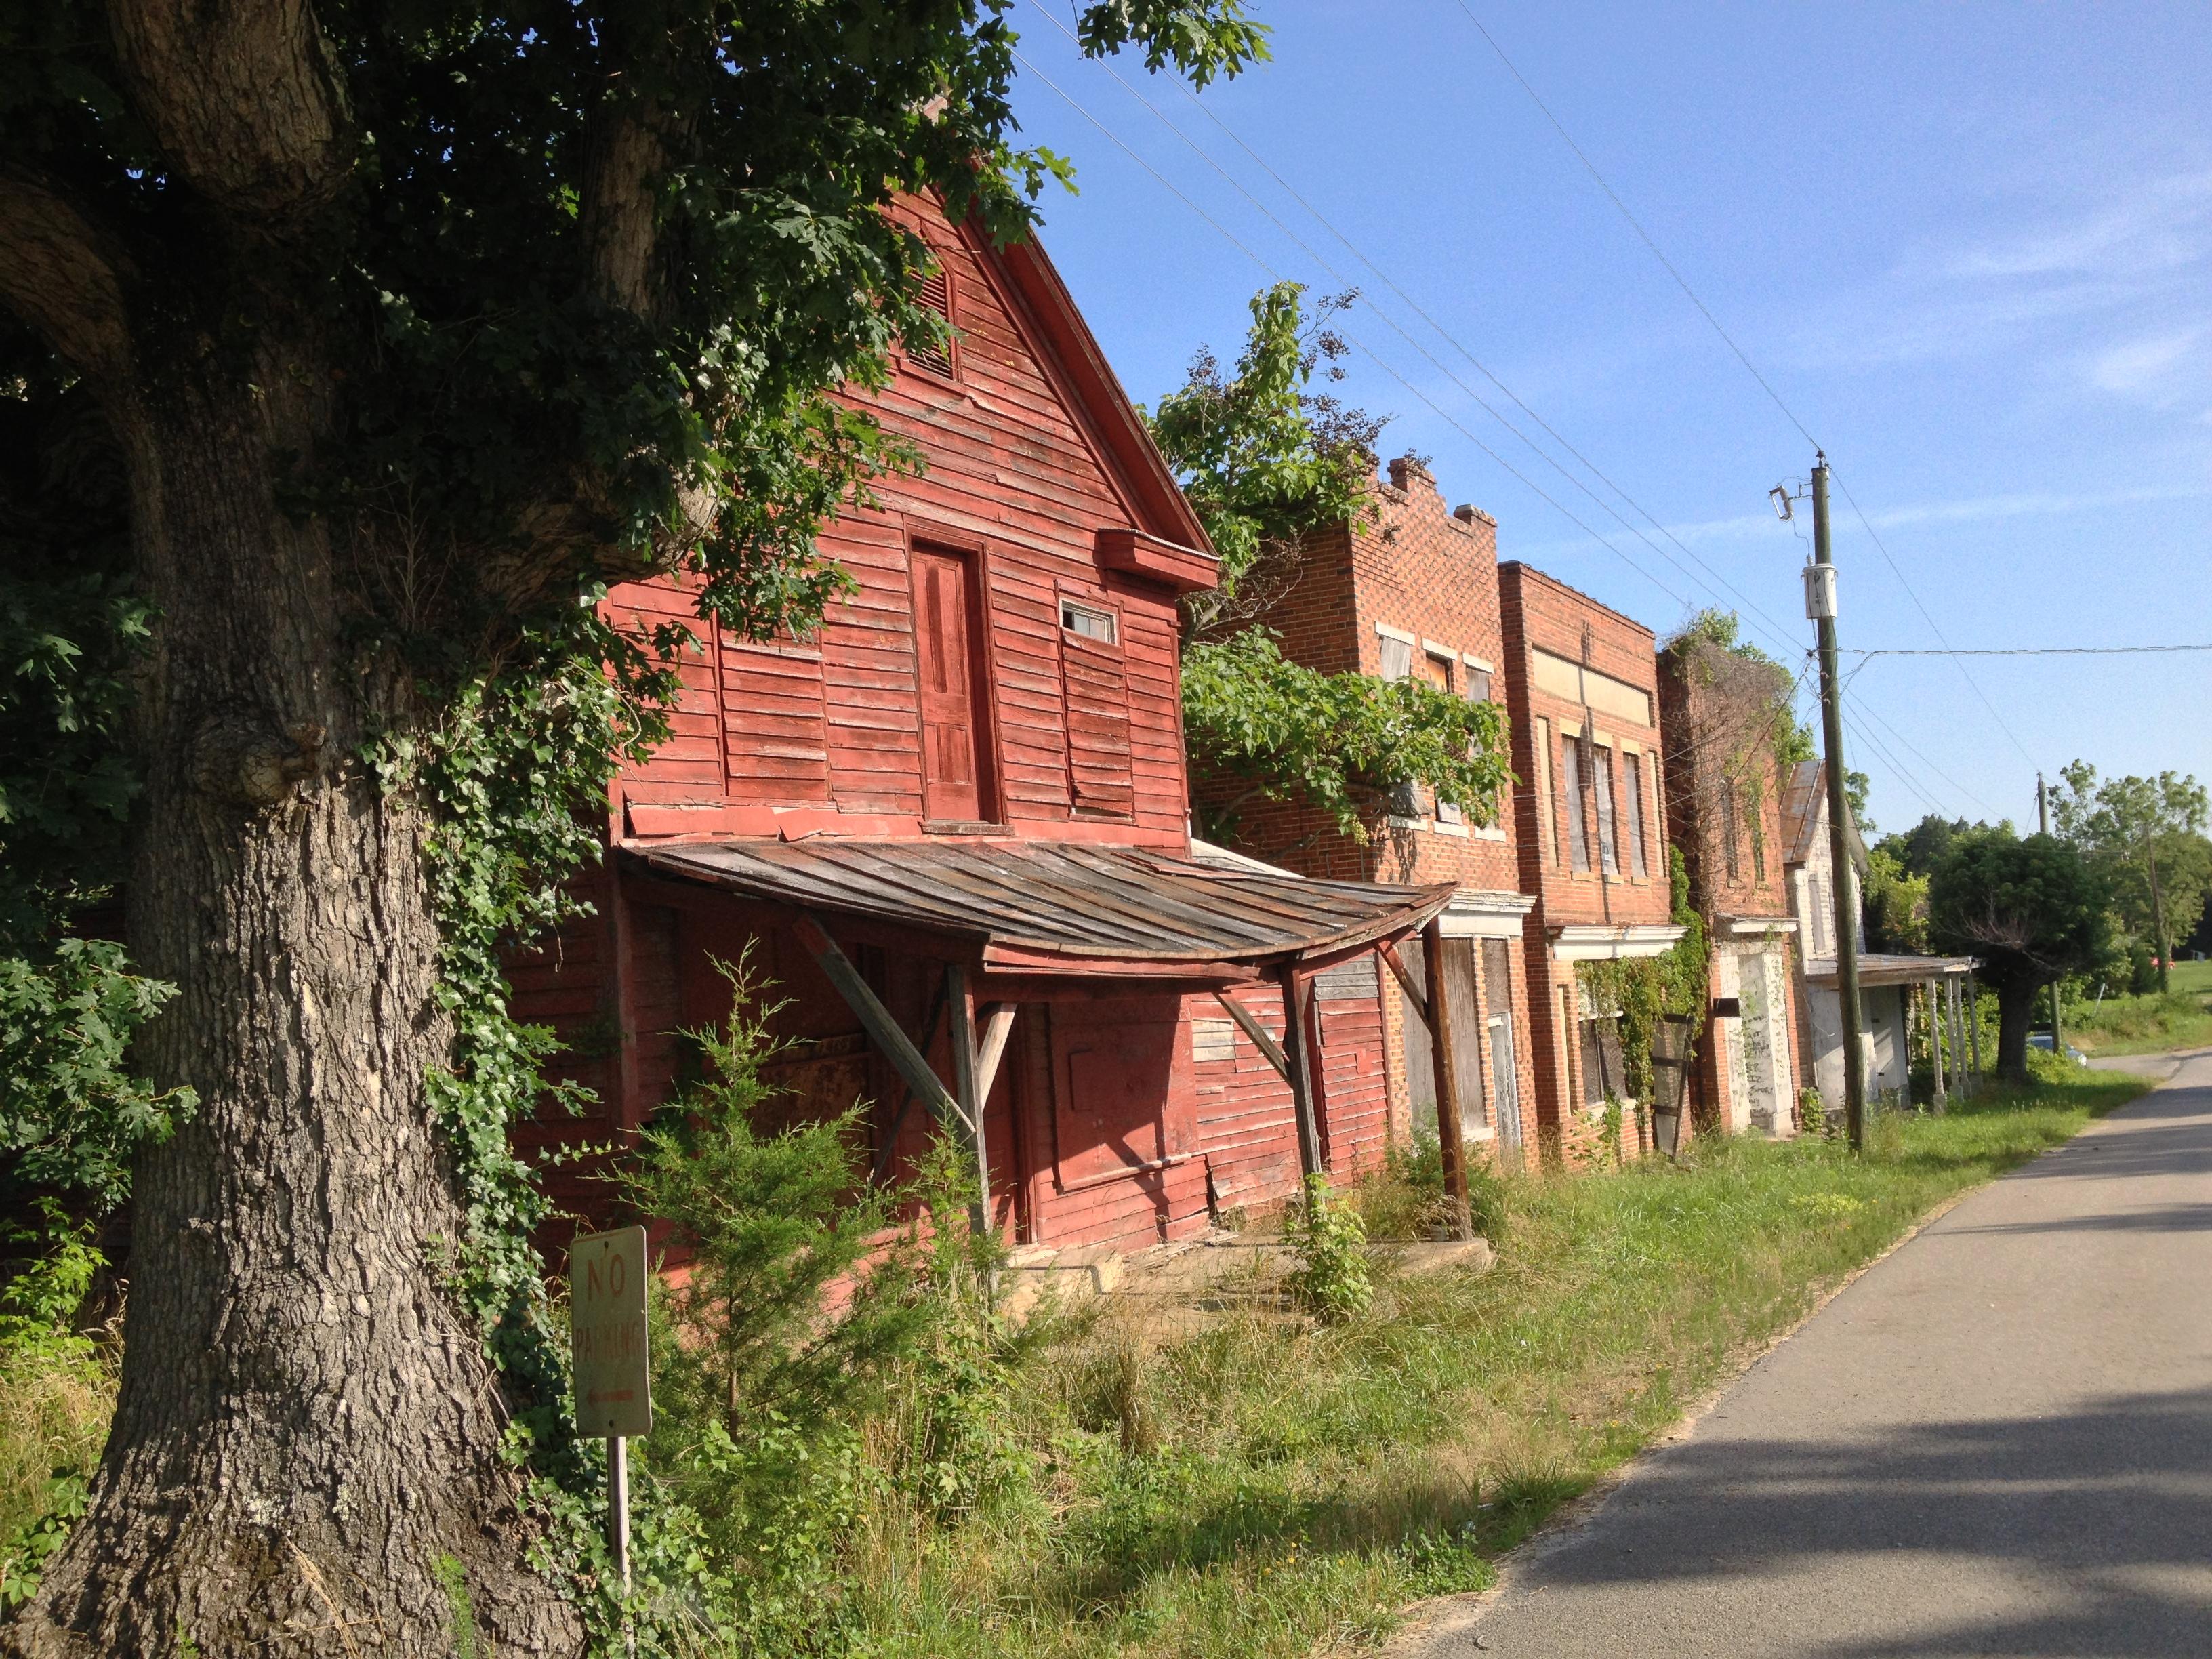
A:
(611, 1356)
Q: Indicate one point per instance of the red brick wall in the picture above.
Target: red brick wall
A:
(1723, 779)
(1429, 574)
(1540, 613)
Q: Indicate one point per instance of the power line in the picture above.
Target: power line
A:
(2038, 651)
(1635, 225)
(1380, 362)
(1751, 368)
(1391, 323)
(1776, 635)
(1934, 627)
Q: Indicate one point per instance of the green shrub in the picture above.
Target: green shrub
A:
(819, 1354)
(57, 1389)
(1331, 1280)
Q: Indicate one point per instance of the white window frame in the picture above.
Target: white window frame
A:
(1071, 607)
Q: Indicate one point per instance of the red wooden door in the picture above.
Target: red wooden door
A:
(951, 786)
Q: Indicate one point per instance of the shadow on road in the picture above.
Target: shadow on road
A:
(2103, 1517)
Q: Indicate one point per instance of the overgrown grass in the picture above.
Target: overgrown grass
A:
(2149, 1024)
(1274, 1487)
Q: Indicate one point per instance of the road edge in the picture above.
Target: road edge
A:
(1441, 1618)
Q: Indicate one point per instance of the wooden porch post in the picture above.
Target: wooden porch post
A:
(1298, 1058)
(960, 1004)
(1451, 1149)
(1936, 1041)
(1974, 1023)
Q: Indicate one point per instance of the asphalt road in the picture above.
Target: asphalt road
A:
(1996, 1442)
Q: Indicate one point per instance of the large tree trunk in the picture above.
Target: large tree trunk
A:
(306, 1455)
(2016, 1014)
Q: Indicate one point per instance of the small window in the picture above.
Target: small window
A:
(1730, 831)
(1090, 623)
(935, 295)
(1478, 685)
(1397, 659)
(1212, 1040)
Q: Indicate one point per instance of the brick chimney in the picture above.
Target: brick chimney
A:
(1406, 468)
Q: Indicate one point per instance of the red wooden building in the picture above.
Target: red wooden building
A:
(951, 828)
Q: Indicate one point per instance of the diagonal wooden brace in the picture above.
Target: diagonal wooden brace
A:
(908, 1062)
(1266, 1045)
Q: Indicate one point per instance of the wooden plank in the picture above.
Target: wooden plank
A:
(908, 1060)
(1252, 1028)
(1297, 1069)
(960, 1005)
(1442, 1061)
(998, 1024)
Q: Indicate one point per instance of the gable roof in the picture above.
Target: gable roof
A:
(1069, 352)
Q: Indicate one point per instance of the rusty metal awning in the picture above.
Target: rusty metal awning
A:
(1877, 968)
(1060, 907)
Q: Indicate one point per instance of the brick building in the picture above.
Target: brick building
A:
(1581, 684)
(1725, 790)
(1412, 589)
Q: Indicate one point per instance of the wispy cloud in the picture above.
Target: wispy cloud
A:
(1764, 527)
(2095, 263)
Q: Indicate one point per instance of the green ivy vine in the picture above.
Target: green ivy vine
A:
(1651, 988)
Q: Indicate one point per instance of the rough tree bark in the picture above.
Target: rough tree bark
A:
(305, 1457)
(307, 1436)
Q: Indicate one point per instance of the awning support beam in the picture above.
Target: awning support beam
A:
(960, 1003)
(998, 1024)
(886, 1152)
(1441, 1062)
(1403, 975)
(1297, 1058)
(1252, 1028)
(905, 1060)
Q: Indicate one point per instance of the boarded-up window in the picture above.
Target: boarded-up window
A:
(1467, 1037)
(1602, 791)
(1729, 834)
(1631, 782)
(1212, 1040)
(1547, 839)
(1095, 683)
(775, 731)
(1570, 790)
(935, 295)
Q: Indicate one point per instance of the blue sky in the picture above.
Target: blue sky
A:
(1970, 246)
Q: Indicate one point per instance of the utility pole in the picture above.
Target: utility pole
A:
(1820, 606)
(2043, 827)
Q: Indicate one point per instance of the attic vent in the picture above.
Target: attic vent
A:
(935, 295)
